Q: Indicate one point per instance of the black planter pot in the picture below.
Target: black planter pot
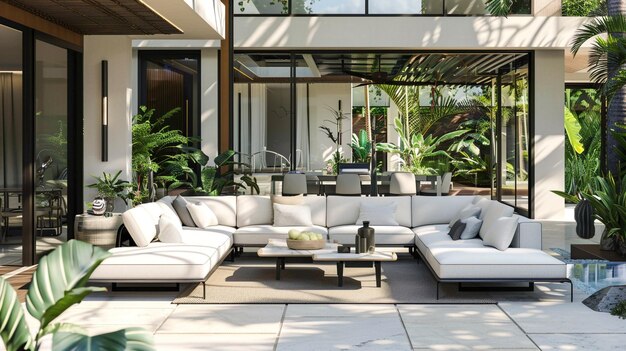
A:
(583, 214)
(607, 243)
(621, 246)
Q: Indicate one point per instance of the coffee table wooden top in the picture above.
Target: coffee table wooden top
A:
(352, 257)
(278, 248)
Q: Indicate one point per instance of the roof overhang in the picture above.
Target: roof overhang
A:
(188, 19)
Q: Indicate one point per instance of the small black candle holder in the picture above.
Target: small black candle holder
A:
(343, 249)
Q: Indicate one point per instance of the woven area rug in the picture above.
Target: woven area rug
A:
(252, 280)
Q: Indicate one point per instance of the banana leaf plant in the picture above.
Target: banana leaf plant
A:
(415, 149)
(215, 179)
(59, 283)
(361, 147)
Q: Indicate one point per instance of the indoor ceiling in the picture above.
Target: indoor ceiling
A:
(381, 68)
(100, 17)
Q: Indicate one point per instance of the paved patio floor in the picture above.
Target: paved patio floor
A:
(520, 325)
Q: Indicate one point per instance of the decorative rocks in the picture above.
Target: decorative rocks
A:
(605, 299)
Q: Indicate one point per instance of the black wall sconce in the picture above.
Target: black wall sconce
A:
(105, 111)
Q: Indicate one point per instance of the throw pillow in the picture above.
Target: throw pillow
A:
(457, 229)
(483, 204)
(202, 215)
(378, 214)
(472, 227)
(467, 211)
(501, 233)
(288, 200)
(292, 215)
(180, 205)
(170, 231)
(493, 212)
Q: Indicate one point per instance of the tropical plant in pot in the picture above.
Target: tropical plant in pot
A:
(58, 284)
(110, 187)
(608, 201)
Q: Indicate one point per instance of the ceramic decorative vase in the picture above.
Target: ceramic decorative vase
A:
(368, 233)
(583, 213)
(607, 243)
(99, 206)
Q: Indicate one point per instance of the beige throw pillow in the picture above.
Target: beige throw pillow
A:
(202, 215)
(378, 214)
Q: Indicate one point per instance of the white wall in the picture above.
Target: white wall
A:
(402, 33)
(209, 102)
(123, 83)
(118, 51)
(549, 135)
(324, 96)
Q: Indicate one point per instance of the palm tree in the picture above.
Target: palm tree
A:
(607, 61)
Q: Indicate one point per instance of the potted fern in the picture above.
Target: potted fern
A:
(110, 187)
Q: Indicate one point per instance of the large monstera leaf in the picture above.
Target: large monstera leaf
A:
(130, 339)
(60, 279)
(13, 328)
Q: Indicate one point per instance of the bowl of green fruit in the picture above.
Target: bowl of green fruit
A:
(305, 240)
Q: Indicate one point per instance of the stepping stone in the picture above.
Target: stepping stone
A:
(604, 300)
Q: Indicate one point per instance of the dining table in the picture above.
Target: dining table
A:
(329, 179)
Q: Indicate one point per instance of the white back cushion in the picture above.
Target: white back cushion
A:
(345, 210)
(437, 209)
(253, 210)
(493, 212)
(257, 210)
(141, 225)
(224, 207)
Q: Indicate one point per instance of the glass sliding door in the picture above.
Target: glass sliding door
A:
(51, 141)
(513, 136)
(11, 101)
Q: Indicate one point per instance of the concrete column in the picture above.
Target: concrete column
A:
(118, 51)
(549, 141)
(209, 102)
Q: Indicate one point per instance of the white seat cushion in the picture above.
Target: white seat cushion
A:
(217, 237)
(490, 263)
(345, 210)
(385, 235)
(258, 235)
(157, 262)
(470, 259)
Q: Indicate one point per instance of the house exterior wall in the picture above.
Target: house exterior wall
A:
(118, 51)
(549, 145)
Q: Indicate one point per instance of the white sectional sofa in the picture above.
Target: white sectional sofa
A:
(422, 225)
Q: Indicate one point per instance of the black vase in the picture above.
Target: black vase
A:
(583, 214)
(368, 233)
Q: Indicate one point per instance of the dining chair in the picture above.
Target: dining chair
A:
(348, 184)
(446, 181)
(294, 184)
(402, 183)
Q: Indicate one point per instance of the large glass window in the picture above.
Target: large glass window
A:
(320, 7)
(11, 116)
(51, 160)
(513, 135)
(339, 102)
(373, 7)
